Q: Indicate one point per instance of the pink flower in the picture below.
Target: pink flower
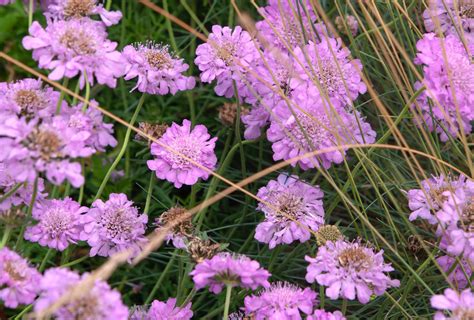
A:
(76, 9)
(114, 226)
(281, 300)
(254, 121)
(225, 57)
(459, 305)
(99, 303)
(325, 315)
(350, 270)
(460, 275)
(196, 144)
(18, 281)
(158, 70)
(294, 198)
(169, 311)
(59, 223)
(76, 47)
(226, 269)
(6, 2)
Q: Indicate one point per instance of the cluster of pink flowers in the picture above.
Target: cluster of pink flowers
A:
(460, 306)
(160, 310)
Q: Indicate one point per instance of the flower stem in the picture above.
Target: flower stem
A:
(45, 260)
(6, 236)
(10, 192)
(161, 278)
(30, 12)
(28, 212)
(344, 306)
(149, 193)
(61, 96)
(228, 293)
(122, 151)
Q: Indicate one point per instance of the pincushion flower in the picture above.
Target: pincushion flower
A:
(281, 300)
(327, 70)
(300, 131)
(59, 223)
(424, 203)
(76, 9)
(181, 141)
(460, 305)
(446, 104)
(114, 226)
(350, 270)
(28, 98)
(158, 70)
(31, 148)
(226, 57)
(18, 281)
(100, 302)
(232, 270)
(325, 315)
(254, 121)
(458, 275)
(169, 311)
(296, 208)
(75, 47)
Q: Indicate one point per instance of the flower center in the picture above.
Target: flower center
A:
(328, 75)
(12, 269)
(327, 233)
(85, 308)
(310, 132)
(466, 9)
(225, 51)
(46, 143)
(355, 258)
(158, 59)
(289, 206)
(185, 227)
(464, 314)
(78, 8)
(467, 219)
(293, 33)
(78, 41)
(116, 223)
(56, 222)
(437, 196)
(185, 147)
(28, 100)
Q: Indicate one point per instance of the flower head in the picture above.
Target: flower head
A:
(460, 275)
(328, 233)
(18, 281)
(281, 300)
(181, 141)
(226, 269)
(296, 208)
(181, 231)
(114, 226)
(59, 223)
(459, 305)
(100, 302)
(225, 57)
(326, 315)
(158, 70)
(75, 47)
(347, 24)
(77, 9)
(350, 269)
(169, 311)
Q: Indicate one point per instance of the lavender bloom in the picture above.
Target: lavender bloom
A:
(350, 269)
(226, 57)
(289, 198)
(100, 303)
(169, 311)
(114, 226)
(226, 269)
(460, 275)
(77, 9)
(312, 128)
(28, 98)
(59, 223)
(6, 2)
(325, 315)
(254, 121)
(32, 148)
(196, 144)
(281, 300)
(72, 47)
(158, 70)
(446, 105)
(328, 72)
(18, 281)
(459, 305)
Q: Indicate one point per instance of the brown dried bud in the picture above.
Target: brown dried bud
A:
(347, 23)
(202, 249)
(328, 233)
(173, 215)
(228, 113)
(156, 130)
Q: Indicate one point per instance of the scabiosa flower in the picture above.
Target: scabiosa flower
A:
(28, 98)
(459, 305)
(326, 315)
(300, 131)
(31, 148)
(72, 47)
(169, 311)
(18, 281)
(182, 231)
(296, 208)
(226, 57)
(77, 9)
(281, 300)
(427, 201)
(59, 223)
(114, 226)
(158, 70)
(326, 70)
(460, 275)
(195, 144)
(101, 302)
(227, 269)
(446, 104)
(350, 269)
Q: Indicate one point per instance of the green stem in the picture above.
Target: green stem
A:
(6, 236)
(122, 151)
(161, 278)
(61, 96)
(88, 93)
(228, 293)
(344, 306)
(45, 260)
(28, 212)
(149, 193)
(81, 190)
(30, 12)
(11, 192)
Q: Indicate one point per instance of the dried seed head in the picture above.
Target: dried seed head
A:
(29, 101)
(346, 24)
(184, 226)
(156, 130)
(78, 8)
(202, 249)
(328, 233)
(228, 113)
